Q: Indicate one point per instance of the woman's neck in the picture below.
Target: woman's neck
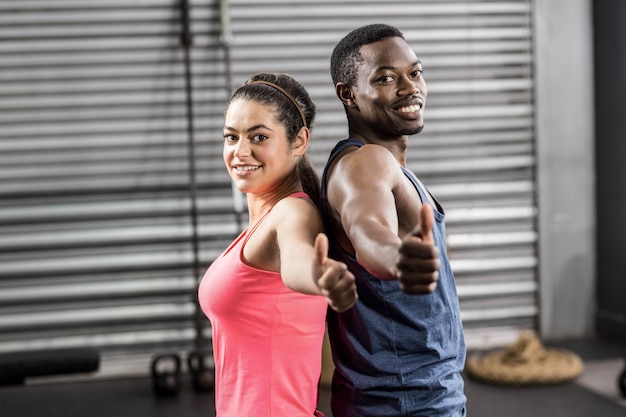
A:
(261, 203)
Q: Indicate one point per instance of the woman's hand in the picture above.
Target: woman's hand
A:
(332, 277)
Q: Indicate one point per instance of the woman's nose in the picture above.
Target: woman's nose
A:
(242, 148)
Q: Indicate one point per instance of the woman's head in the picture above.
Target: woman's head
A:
(286, 95)
(291, 107)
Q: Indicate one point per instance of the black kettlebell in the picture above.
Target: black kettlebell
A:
(202, 375)
(166, 375)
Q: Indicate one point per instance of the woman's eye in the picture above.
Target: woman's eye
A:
(258, 138)
(230, 138)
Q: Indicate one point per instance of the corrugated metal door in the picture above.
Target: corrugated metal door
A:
(96, 227)
(96, 208)
(476, 152)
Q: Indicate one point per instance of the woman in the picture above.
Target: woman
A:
(267, 295)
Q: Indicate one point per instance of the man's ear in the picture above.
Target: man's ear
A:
(301, 144)
(344, 93)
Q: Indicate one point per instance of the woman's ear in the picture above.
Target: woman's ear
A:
(301, 144)
(344, 93)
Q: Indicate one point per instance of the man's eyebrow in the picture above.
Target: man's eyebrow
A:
(389, 67)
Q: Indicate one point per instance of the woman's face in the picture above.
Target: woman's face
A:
(256, 152)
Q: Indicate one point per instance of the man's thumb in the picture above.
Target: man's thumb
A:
(427, 221)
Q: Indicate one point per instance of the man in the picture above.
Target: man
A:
(400, 350)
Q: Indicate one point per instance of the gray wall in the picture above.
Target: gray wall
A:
(565, 166)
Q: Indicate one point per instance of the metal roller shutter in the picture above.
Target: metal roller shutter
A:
(476, 153)
(95, 203)
(96, 207)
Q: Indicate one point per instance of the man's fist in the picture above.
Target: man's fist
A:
(417, 269)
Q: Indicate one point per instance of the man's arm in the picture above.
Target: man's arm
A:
(363, 190)
(360, 190)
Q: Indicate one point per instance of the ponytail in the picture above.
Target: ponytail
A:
(309, 179)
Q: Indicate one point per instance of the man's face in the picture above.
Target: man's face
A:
(390, 92)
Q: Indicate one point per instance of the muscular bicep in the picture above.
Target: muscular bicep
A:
(361, 192)
(361, 199)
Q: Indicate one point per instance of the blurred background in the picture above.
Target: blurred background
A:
(114, 199)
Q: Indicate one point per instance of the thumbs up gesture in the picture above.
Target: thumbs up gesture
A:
(417, 269)
(332, 277)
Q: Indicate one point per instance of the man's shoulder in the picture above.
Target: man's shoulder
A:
(370, 155)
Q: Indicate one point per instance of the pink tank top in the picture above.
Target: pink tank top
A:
(267, 339)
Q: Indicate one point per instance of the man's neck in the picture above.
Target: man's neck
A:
(398, 146)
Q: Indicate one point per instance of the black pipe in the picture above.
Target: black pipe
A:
(225, 41)
(186, 40)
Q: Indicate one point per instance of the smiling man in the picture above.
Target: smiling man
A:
(400, 350)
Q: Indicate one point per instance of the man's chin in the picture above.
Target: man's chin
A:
(412, 131)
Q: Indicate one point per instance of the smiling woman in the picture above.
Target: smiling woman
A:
(267, 295)
(262, 110)
(255, 149)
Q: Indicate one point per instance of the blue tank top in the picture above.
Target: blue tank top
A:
(397, 354)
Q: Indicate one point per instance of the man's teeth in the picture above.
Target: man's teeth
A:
(410, 109)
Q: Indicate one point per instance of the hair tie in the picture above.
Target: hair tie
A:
(285, 93)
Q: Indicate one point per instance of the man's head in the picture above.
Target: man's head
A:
(346, 55)
(378, 78)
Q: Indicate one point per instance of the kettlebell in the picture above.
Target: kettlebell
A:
(166, 375)
(203, 376)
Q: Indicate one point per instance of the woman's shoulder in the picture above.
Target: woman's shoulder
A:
(297, 207)
(294, 202)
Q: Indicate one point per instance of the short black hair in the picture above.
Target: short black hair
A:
(346, 55)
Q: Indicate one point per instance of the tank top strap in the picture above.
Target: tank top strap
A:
(339, 147)
(346, 143)
(249, 232)
(299, 194)
(424, 194)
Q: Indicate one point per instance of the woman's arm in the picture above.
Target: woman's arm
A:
(303, 249)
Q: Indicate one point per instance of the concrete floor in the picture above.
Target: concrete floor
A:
(593, 394)
(601, 377)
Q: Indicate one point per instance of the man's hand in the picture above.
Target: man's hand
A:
(333, 279)
(418, 266)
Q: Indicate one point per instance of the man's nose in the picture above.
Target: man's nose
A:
(408, 86)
